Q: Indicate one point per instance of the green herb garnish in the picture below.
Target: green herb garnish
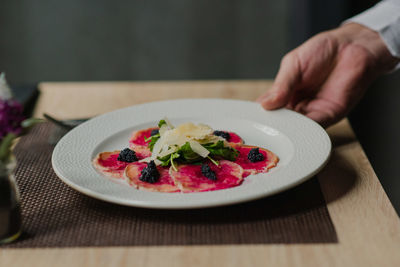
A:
(186, 155)
(161, 123)
(220, 150)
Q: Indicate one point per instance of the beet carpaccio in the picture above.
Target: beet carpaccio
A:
(187, 158)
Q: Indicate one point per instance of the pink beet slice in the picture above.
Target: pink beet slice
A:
(235, 139)
(108, 163)
(189, 178)
(138, 137)
(164, 184)
(270, 160)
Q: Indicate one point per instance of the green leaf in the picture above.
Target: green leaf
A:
(31, 122)
(166, 163)
(5, 146)
(187, 154)
(169, 159)
(220, 150)
(150, 137)
(213, 160)
(165, 160)
(161, 123)
(174, 156)
(153, 141)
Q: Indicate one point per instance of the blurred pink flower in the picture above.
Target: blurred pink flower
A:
(11, 117)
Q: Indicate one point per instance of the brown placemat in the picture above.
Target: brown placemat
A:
(54, 215)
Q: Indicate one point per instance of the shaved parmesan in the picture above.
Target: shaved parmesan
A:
(163, 129)
(158, 146)
(193, 131)
(211, 139)
(167, 151)
(199, 149)
(169, 123)
(172, 138)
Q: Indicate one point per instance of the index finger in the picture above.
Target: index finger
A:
(289, 75)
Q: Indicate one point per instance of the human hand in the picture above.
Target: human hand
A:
(327, 75)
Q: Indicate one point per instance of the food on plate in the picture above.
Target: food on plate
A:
(141, 176)
(187, 158)
(114, 163)
(138, 138)
(230, 137)
(255, 160)
(207, 177)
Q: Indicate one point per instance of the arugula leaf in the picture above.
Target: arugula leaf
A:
(220, 150)
(147, 139)
(174, 156)
(166, 160)
(184, 154)
(169, 159)
(161, 123)
(213, 160)
(187, 154)
(153, 140)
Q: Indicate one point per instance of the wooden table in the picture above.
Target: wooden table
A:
(368, 228)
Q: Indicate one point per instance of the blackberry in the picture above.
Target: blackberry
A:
(154, 132)
(150, 173)
(255, 155)
(127, 155)
(207, 172)
(223, 134)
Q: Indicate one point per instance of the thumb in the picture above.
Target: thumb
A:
(289, 75)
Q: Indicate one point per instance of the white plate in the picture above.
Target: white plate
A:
(301, 144)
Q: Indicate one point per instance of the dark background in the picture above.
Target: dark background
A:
(91, 40)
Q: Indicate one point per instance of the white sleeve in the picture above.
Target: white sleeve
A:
(384, 18)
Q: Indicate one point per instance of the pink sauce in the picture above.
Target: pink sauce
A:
(248, 166)
(138, 137)
(192, 179)
(234, 138)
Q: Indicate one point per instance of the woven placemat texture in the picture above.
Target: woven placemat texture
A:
(54, 215)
